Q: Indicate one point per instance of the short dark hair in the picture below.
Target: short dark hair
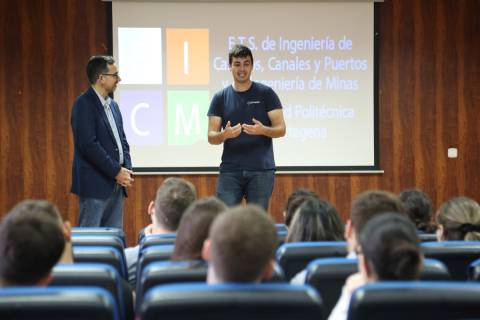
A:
(295, 199)
(172, 199)
(316, 220)
(31, 243)
(371, 203)
(194, 227)
(242, 242)
(239, 51)
(97, 65)
(419, 208)
(390, 245)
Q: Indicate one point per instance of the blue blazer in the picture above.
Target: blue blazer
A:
(96, 158)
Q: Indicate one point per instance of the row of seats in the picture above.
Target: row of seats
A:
(292, 257)
(456, 255)
(386, 300)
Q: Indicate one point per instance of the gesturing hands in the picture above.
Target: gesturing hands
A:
(231, 132)
(124, 177)
(257, 128)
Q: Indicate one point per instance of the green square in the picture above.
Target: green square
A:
(187, 120)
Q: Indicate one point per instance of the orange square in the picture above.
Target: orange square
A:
(187, 58)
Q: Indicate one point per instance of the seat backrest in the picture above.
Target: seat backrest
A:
(168, 272)
(99, 275)
(153, 254)
(232, 301)
(295, 256)
(57, 303)
(415, 300)
(102, 254)
(328, 276)
(157, 239)
(427, 237)
(456, 255)
(117, 232)
(474, 270)
(281, 227)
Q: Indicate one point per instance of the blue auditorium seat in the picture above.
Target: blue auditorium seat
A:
(294, 257)
(73, 303)
(232, 302)
(415, 300)
(102, 254)
(117, 232)
(328, 276)
(99, 275)
(456, 255)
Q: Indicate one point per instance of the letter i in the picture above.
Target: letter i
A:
(185, 57)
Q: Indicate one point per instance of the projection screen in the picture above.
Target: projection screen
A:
(317, 56)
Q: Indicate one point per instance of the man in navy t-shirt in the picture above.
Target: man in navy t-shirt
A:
(250, 115)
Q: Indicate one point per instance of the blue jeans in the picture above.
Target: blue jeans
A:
(102, 212)
(255, 186)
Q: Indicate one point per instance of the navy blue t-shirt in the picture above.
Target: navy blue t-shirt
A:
(246, 152)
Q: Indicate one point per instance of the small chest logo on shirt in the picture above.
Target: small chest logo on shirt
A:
(253, 102)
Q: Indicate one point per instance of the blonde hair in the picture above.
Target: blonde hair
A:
(460, 219)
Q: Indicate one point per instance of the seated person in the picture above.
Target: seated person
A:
(31, 243)
(295, 199)
(315, 220)
(459, 219)
(389, 249)
(241, 246)
(172, 199)
(194, 227)
(365, 206)
(419, 208)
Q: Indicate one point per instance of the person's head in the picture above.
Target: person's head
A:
(295, 199)
(459, 219)
(315, 220)
(419, 208)
(172, 199)
(103, 73)
(194, 227)
(31, 243)
(240, 61)
(366, 206)
(389, 248)
(241, 246)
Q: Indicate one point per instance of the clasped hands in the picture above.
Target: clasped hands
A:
(124, 177)
(257, 128)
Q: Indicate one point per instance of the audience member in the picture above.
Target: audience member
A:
(419, 208)
(459, 219)
(241, 246)
(295, 199)
(364, 207)
(389, 249)
(31, 243)
(172, 199)
(194, 227)
(315, 220)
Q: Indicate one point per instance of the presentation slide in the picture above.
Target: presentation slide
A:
(317, 56)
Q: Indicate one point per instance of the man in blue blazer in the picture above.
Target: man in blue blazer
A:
(101, 168)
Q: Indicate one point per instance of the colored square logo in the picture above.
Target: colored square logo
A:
(143, 116)
(186, 116)
(187, 57)
(140, 55)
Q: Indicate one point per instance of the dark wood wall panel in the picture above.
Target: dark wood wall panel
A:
(429, 82)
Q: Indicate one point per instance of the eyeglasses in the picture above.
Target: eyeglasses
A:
(116, 75)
